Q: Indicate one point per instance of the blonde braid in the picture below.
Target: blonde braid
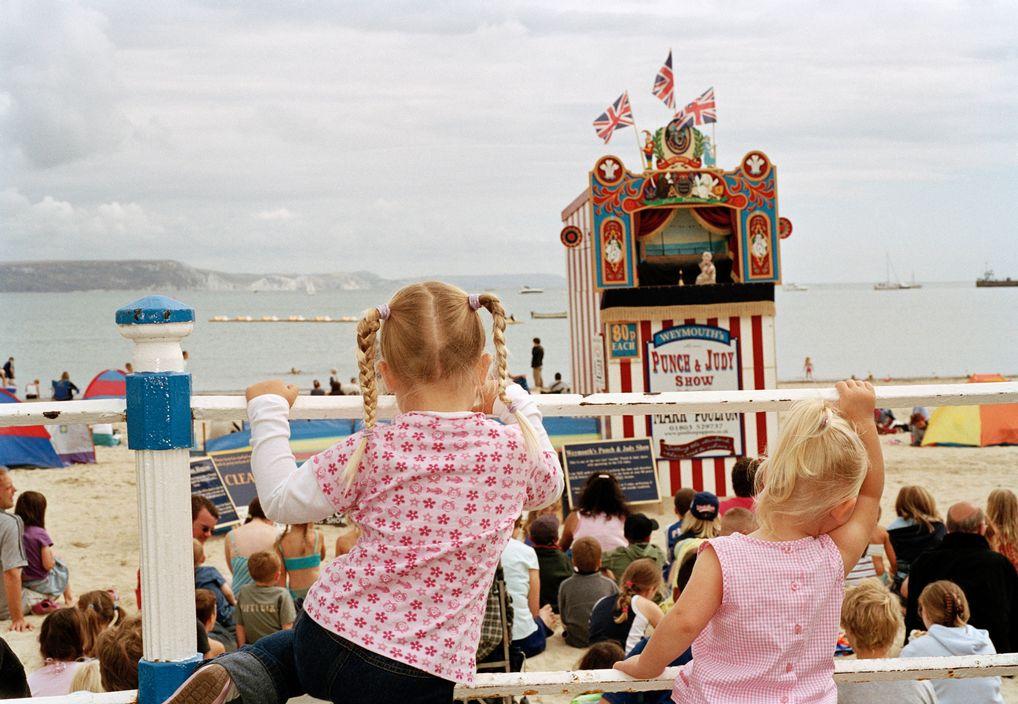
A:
(625, 600)
(367, 330)
(494, 306)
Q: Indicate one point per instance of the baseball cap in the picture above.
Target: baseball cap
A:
(705, 506)
(638, 527)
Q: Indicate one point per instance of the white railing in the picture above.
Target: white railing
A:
(590, 681)
(322, 407)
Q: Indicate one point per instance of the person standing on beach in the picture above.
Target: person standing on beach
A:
(12, 556)
(536, 363)
(398, 618)
(9, 369)
(807, 368)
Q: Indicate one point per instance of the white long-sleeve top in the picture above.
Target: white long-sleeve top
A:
(436, 496)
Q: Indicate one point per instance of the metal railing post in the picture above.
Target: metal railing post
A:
(159, 430)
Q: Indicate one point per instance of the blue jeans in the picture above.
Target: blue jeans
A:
(308, 659)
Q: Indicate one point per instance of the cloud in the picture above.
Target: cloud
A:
(277, 214)
(58, 83)
(50, 228)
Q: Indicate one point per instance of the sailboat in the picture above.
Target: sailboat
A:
(888, 284)
(309, 286)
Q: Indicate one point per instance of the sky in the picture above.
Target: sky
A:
(415, 138)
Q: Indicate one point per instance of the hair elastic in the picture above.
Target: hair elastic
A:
(474, 300)
(383, 311)
(825, 420)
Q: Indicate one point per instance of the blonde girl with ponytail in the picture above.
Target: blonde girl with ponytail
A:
(944, 610)
(435, 493)
(777, 592)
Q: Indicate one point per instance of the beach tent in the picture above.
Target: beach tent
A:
(563, 431)
(974, 426)
(27, 445)
(73, 443)
(231, 454)
(109, 383)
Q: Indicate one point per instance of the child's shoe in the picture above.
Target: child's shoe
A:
(209, 685)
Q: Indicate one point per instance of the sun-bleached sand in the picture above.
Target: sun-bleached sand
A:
(92, 518)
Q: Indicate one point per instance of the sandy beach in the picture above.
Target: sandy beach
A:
(103, 552)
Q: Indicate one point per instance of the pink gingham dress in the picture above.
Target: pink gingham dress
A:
(436, 498)
(772, 640)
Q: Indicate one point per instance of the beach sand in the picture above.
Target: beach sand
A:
(92, 518)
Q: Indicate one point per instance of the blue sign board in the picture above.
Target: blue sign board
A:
(205, 480)
(630, 460)
(623, 340)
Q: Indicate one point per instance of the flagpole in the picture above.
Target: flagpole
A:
(714, 141)
(639, 148)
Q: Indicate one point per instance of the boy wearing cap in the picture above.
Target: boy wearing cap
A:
(638, 529)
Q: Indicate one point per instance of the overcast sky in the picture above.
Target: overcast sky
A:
(411, 138)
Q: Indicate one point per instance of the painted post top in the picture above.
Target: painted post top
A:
(155, 310)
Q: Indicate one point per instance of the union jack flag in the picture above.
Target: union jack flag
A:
(618, 114)
(701, 111)
(664, 83)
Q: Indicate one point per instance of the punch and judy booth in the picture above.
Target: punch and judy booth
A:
(639, 322)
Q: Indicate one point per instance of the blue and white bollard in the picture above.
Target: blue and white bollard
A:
(159, 430)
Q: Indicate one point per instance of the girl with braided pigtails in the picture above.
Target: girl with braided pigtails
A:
(435, 492)
(945, 612)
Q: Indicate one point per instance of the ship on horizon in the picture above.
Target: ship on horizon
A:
(990, 281)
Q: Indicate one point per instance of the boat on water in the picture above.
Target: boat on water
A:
(895, 284)
(547, 316)
(794, 287)
(529, 289)
(988, 280)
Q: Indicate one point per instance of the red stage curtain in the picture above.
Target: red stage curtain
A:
(647, 221)
(719, 217)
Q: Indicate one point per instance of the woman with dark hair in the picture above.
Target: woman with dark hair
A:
(599, 514)
(44, 573)
(258, 534)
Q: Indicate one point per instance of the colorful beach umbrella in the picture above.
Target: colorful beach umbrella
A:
(27, 445)
(974, 426)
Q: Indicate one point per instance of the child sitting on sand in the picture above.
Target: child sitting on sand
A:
(210, 578)
(772, 639)
(302, 549)
(263, 607)
(578, 594)
(436, 494)
(627, 617)
(99, 612)
(205, 613)
(871, 617)
(945, 612)
(61, 644)
(600, 656)
(45, 573)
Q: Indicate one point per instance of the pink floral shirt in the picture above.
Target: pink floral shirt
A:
(436, 497)
(772, 640)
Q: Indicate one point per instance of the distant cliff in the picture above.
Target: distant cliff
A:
(141, 275)
(60, 276)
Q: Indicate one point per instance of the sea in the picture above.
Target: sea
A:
(948, 329)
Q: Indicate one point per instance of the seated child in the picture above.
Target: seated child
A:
(738, 520)
(44, 573)
(523, 582)
(701, 523)
(601, 656)
(263, 607)
(302, 549)
(945, 612)
(743, 484)
(210, 578)
(554, 564)
(87, 678)
(637, 530)
(61, 643)
(682, 500)
(578, 594)
(628, 617)
(119, 649)
(205, 612)
(871, 617)
(99, 611)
